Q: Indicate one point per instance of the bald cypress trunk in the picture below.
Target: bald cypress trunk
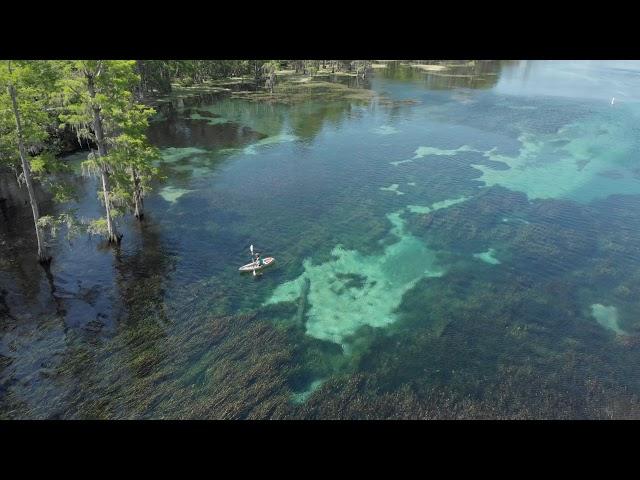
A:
(256, 73)
(43, 254)
(113, 235)
(137, 195)
(142, 86)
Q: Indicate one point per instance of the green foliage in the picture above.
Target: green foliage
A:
(98, 227)
(63, 192)
(52, 224)
(47, 164)
(34, 85)
(46, 169)
(113, 82)
(155, 76)
(129, 155)
(34, 82)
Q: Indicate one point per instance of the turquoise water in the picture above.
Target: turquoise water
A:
(464, 245)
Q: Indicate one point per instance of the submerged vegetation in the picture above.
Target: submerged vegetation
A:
(443, 251)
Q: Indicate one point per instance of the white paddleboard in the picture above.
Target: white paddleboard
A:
(250, 267)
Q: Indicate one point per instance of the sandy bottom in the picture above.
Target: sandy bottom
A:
(273, 140)
(392, 188)
(488, 257)
(607, 317)
(354, 290)
(172, 194)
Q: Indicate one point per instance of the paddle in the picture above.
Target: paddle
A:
(252, 259)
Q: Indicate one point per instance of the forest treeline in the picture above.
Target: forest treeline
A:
(101, 104)
(157, 76)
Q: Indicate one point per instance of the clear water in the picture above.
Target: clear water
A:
(465, 245)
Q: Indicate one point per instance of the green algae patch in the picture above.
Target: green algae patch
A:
(426, 151)
(181, 91)
(583, 161)
(574, 163)
(173, 155)
(172, 194)
(208, 119)
(354, 290)
(436, 206)
(193, 171)
(392, 188)
(488, 257)
(386, 130)
(295, 91)
(607, 317)
(418, 209)
(273, 140)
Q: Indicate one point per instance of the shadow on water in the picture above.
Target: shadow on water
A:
(19, 274)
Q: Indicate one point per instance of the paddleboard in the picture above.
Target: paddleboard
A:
(250, 267)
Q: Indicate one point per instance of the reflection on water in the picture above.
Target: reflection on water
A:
(464, 245)
(596, 80)
(438, 75)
